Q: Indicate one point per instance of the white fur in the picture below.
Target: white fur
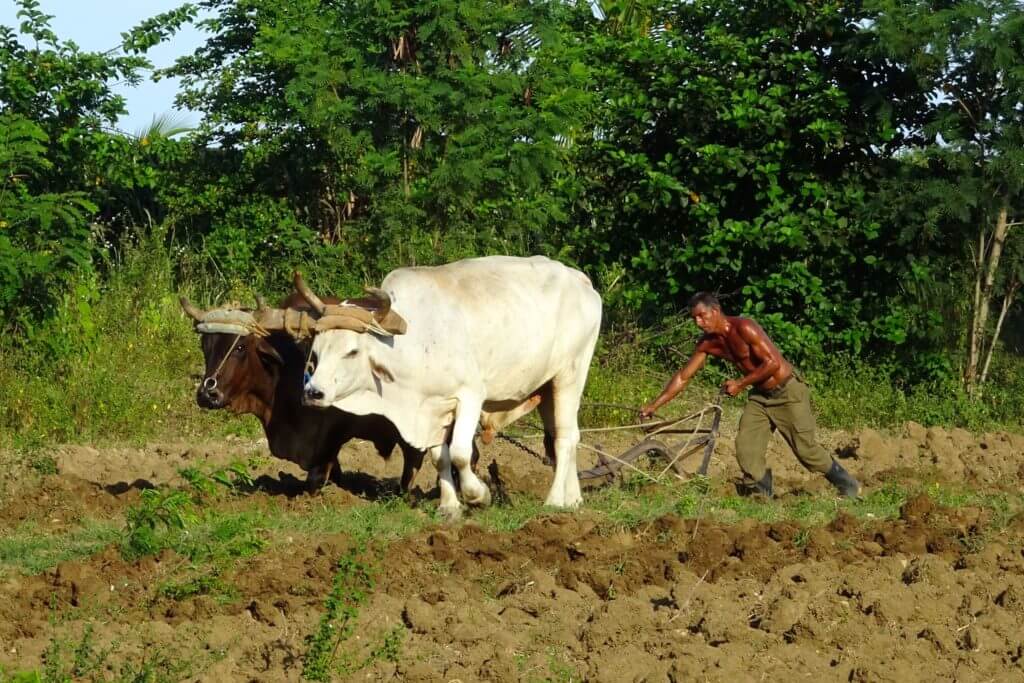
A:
(483, 334)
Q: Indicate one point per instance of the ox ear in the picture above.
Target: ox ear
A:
(381, 372)
(268, 352)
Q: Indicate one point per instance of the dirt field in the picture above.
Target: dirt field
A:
(934, 593)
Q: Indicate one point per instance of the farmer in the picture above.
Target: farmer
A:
(779, 399)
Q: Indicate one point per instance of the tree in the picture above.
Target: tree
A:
(738, 145)
(974, 145)
(394, 133)
(62, 165)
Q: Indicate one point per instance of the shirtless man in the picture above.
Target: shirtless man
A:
(779, 398)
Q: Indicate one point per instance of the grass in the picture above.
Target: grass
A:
(114, 364)
(208, 582)
(213, 538)
(80, 658)
(30, 549)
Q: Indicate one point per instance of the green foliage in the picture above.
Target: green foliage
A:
(112, 363)
(61, 166)
(206, 583)
(234, 478)
(43, 235)
(383, 134)
(736, 152)
(29, 549)
(352, 584)
(157, 510)
(79, 660)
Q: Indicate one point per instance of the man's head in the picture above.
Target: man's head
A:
(706, 311)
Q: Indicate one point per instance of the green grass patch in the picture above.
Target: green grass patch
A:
(114, 364)
(637, 502)
(207, 582)
(30, 549)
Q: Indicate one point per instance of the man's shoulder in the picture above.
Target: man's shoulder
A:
(744, 324)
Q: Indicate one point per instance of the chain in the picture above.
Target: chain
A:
(526, 449)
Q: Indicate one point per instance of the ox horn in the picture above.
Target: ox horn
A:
(261, 303)
(307, 294)
(384, 302)
(191, 310)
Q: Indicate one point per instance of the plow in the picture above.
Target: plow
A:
(672, 441)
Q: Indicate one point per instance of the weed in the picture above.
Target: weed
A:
(351, 586)
(561, 671)
(801, 538)
(42, 463)
(157, 509)
(234, 478)
(204, 584)
(391, 649)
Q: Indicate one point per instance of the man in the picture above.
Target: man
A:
(779, 398)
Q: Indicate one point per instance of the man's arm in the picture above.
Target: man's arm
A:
(678, 382)
(760, 347)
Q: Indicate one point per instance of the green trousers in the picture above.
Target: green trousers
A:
(789, 411)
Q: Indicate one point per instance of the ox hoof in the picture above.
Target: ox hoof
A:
(481, 500)
(450, 515)
(563, 503)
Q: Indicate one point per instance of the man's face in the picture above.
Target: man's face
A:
(706, 317)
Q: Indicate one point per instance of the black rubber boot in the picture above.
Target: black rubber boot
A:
(843, 481)
(757, 488)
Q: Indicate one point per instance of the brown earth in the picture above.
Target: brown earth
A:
(927, 596)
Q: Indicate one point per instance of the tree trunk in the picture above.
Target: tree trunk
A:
(987, 265)
(1007, 302)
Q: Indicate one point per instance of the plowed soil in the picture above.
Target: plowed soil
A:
(929, 595)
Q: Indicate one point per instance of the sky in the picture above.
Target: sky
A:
(96, 25)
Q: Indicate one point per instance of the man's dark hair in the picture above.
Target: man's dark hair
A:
(706, 299)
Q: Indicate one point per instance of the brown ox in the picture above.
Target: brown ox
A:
(263, 376)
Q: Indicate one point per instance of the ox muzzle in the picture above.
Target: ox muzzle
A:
(209, 395)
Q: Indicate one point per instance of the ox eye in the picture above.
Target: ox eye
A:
(352, 353)
(240, 349)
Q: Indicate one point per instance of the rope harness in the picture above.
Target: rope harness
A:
(210, 382)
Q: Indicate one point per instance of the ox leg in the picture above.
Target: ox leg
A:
(412, 460)
(467, 416)
(317, 476)
(565, 489)
(334, 475)
(449, 507)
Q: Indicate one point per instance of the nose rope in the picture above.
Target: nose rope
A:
(220, 365)
(307, 374)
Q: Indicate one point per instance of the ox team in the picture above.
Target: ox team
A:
(439, 352)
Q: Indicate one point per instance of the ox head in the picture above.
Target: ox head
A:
(242, 366)
(343, 359)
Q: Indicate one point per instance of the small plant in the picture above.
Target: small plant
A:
(205, 584)
(42, 463)
(85, 660)
(233, 478)
(172, 510)
(391, 649)
(801, 538)
(560, 670)
(350, 588)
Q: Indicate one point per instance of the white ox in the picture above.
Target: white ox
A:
(486, 339)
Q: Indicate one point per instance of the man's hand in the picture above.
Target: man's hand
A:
(647, 411)
(732, 387)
